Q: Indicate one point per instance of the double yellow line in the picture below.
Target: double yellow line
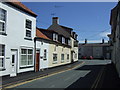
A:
(12, 86)
(96, 82)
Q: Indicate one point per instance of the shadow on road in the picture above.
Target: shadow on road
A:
(109, 78)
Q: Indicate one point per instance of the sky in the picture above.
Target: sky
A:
(90, 20)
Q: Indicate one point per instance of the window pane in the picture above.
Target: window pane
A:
(62, 56)
(54, 57)
(45, 53)
(30, 51)
(2, 52)
(28, 24)
(23, 51)
(28, 33)
(30, 59)
(2, 14)
(23, 59)
(2, 28)
(1, 62)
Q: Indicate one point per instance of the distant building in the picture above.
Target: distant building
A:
(96, 50)
(115, 36)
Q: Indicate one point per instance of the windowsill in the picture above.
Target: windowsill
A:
(62, 61)
(26, 67)
(28, 38)
(2, 69)
(54, 62)
(3, 34)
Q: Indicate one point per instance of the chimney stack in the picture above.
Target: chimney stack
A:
(55, 20)
(103, 41)
(85, 41)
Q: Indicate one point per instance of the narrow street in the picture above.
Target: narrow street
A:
(86, 75)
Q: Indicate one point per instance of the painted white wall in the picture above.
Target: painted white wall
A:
(15, 30)
(40, 45)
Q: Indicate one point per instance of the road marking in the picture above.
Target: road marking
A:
(42, 77)
(95, 84)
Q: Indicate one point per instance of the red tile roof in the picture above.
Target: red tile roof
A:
(41, 35)
(19, 5)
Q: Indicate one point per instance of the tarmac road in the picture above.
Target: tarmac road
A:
(86, 75)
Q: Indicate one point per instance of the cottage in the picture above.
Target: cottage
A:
(17, 33)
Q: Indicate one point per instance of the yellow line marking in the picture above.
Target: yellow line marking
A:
(95, 84)
(43, 77)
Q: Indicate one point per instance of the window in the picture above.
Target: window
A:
(2, 20)
(26, 57)
(2, 56)
(55, 37)
(69, 42)
(54, 58)
(62, 58)
(28, 28)
(45, 54)
(67, 57)
(63, 40)
(75, 56)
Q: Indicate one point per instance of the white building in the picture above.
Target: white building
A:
(17, 32)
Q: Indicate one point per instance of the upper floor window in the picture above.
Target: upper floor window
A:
(69, 42)
(2, 20)
(28, 28)
(55, 37)
(63, 40)
(2, 55)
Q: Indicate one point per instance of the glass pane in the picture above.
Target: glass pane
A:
(28, 24)
(1, 62)
(2, 27)
(23, 59)
(30, 59)
(23, 51)
(30, 51)
(2, 47)
(28, 33)
(2, 14)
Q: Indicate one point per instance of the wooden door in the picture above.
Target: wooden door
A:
(37, 61)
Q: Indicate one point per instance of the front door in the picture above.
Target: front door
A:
(37, 60)
(13, 64)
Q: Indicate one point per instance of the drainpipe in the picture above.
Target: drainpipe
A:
(35, 54)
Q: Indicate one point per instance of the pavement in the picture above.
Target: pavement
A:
(22, 77)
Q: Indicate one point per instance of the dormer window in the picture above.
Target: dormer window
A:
(55, 37)
(63, 40)
(69, 42)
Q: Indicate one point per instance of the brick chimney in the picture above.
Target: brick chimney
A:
(85, 41)
(55, 20)
(103, 41)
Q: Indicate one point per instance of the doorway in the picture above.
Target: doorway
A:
(37, 60)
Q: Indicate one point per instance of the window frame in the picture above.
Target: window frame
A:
(63, 40)
(3, 56)
(68, 57)
(62, 58)
(55, 37)
(28, 29)
(45, 54)
(27, 54)
(55, 61)
(3, 21)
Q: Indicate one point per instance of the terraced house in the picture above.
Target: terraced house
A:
(17, 33)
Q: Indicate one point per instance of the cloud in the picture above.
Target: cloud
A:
(104, 34)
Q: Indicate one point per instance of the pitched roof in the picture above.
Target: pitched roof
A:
(66, 27)
(41, 35)
(95, 44)
(21, 6)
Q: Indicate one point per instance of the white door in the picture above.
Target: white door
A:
(13, 64)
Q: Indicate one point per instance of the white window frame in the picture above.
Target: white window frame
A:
(4, 22)
(69, 42)
(55, 61)
(27, 56)
(63, 40)
(3, 57)
(55, 37)
(28, 29)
